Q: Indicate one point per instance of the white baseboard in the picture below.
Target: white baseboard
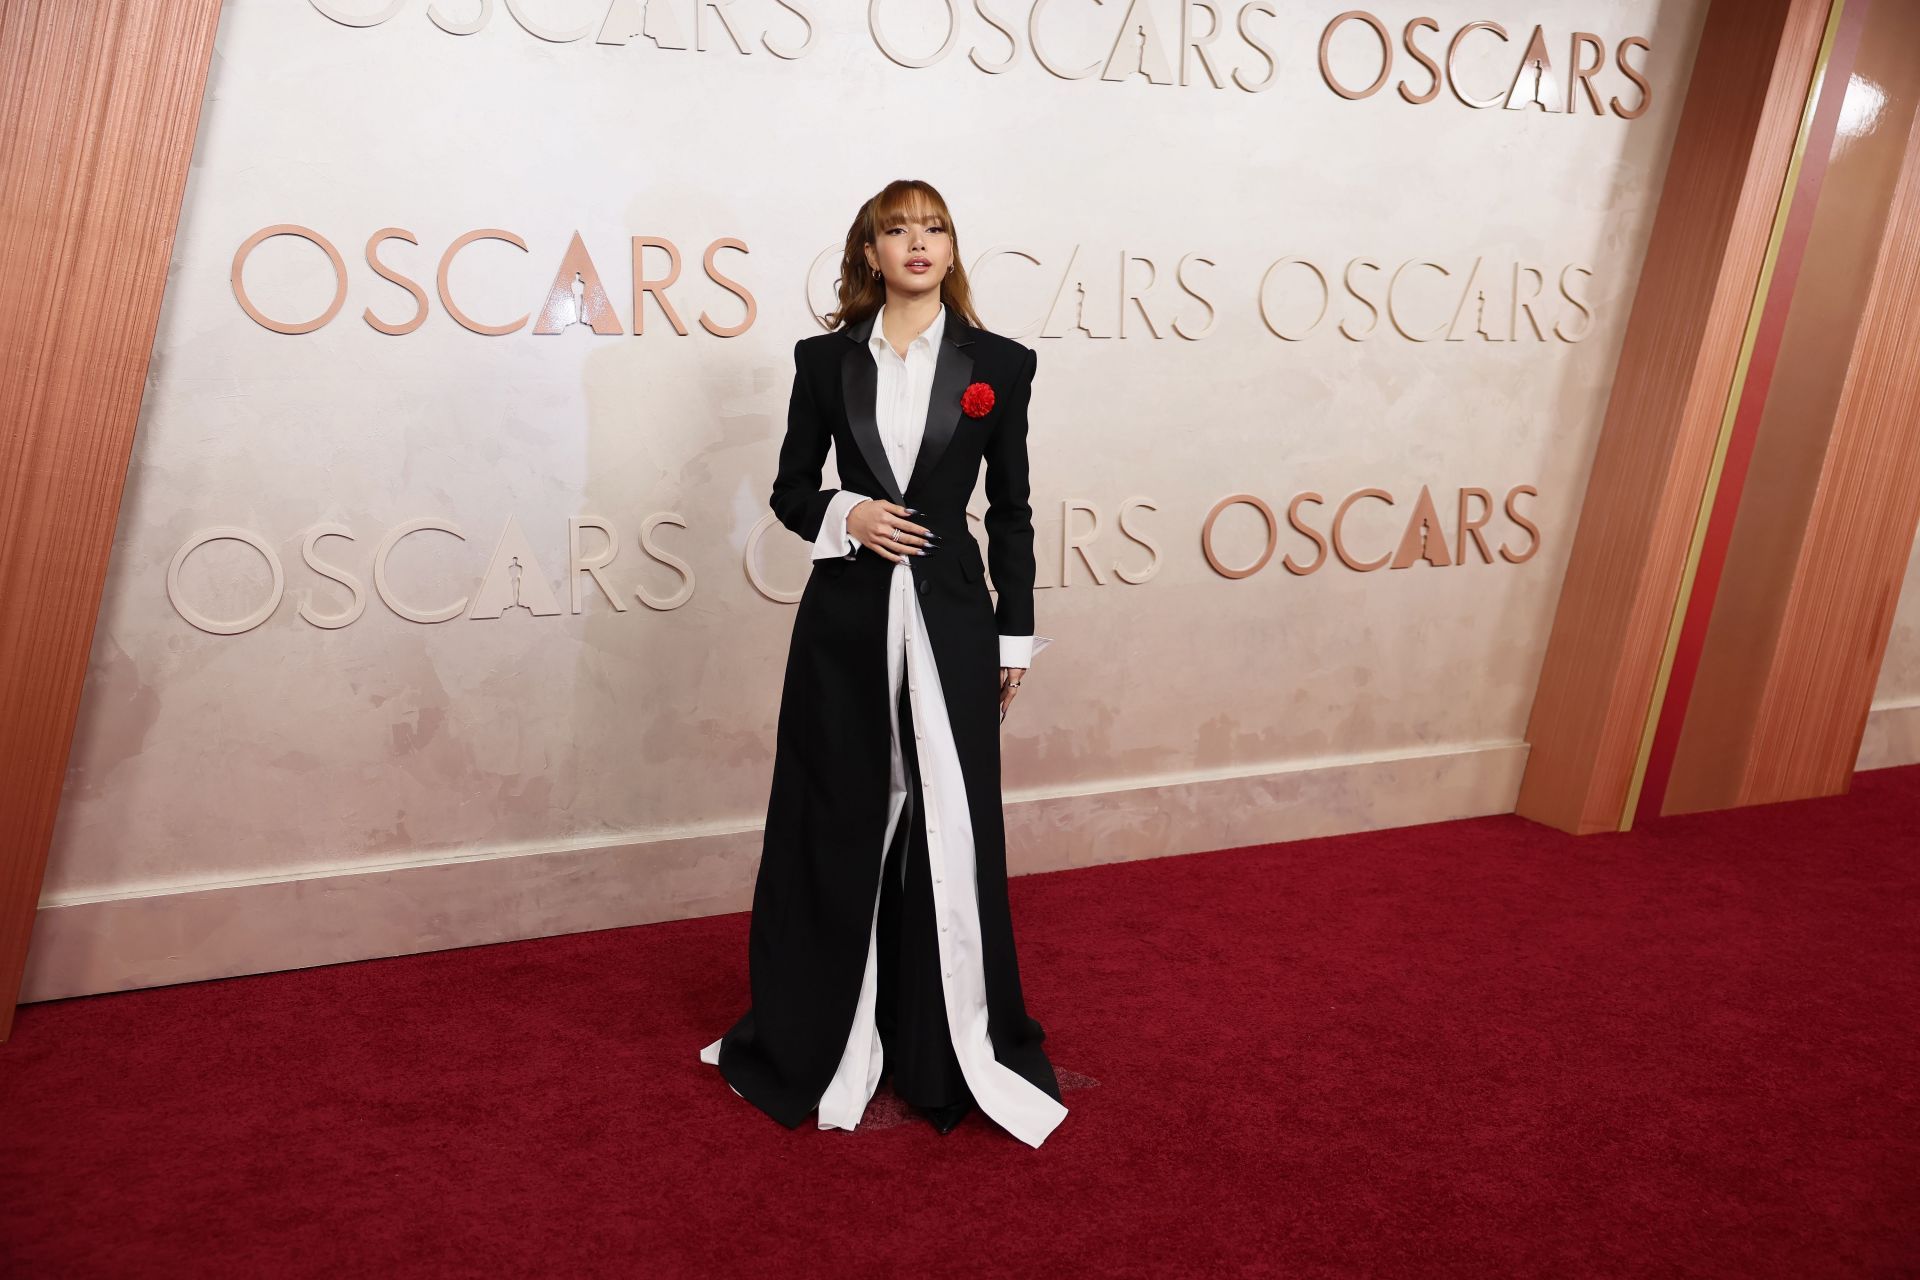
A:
(86, 944)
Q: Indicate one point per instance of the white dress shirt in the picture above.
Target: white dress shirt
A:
(900, 408)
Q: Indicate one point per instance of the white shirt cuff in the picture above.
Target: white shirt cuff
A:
(833, 539)
(1016, 651)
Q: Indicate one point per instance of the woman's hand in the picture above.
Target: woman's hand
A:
(883, 527)
(1010, 678)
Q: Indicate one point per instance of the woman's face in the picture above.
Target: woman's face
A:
(913, 256)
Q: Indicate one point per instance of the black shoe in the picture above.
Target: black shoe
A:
(945, 1118)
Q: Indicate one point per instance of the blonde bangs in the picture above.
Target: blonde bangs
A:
(902, 201)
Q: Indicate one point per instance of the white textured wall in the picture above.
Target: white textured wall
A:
(1893, 726)
(289, 751)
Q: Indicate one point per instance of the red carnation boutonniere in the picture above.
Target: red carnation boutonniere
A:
(977, 400)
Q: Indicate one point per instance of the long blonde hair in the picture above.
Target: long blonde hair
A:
(861, 293)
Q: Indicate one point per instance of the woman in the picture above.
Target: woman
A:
(880, 936)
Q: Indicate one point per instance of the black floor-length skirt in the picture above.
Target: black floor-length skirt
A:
(817, 1034)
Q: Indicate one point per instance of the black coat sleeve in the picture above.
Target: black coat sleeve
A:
(797, 498)
(1009, 518)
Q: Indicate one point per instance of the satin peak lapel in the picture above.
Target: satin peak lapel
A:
(952, 370)
(859, 382)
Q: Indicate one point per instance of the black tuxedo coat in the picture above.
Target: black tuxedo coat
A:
(820, 861)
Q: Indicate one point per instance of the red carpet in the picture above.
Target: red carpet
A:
(1465, 1049)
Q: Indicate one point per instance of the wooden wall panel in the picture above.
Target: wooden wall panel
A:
(1783, 407)
(1817, 540)
(1851, 563)
(1745, 103)
(101, 104)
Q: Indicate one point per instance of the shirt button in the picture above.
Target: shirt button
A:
(923, 586)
